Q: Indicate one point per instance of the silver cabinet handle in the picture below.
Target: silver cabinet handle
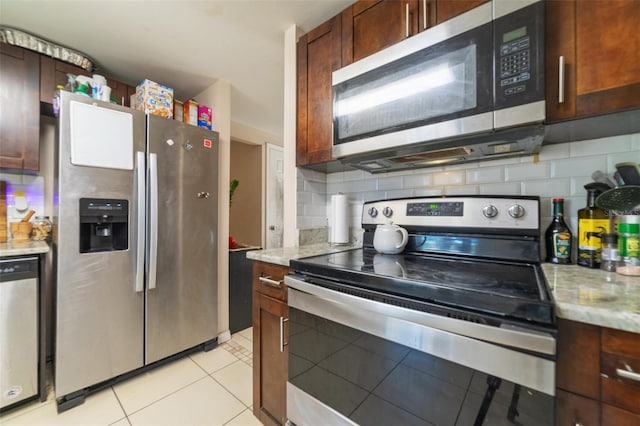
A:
(406, 20)
(424, 14)
(561, 80)
(269, 281)
(153, 219)
(282, 344)
(142, 213)
(628, 374)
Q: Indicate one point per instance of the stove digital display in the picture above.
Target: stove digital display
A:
(436, 209)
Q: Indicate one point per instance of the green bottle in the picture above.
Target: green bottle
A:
(558, 236)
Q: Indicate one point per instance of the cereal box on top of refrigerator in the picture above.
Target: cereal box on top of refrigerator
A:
(154, 98)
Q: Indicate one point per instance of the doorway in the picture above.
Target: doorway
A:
(274, 204)
(245, 213)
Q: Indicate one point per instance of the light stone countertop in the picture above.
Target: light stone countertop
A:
(18, 249)
(282, 256)
(595, 297)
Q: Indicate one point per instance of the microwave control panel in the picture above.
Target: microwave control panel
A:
(519, 56)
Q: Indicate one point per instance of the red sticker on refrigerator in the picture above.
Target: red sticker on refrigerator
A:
(207, 143)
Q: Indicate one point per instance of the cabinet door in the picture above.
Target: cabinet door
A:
(607, 56)
(560, 60)
(54, 73)
(20, 106)
(578, 362)
(372, 25)
(447, 9)
(318, 56)
(270, 333)
(573, 409)
(601, 70)
(613, 416)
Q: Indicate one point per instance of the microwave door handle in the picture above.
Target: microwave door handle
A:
(561, 80)
(141, 195)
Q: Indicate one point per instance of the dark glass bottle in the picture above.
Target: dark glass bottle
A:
(592, 225)
(558, 236)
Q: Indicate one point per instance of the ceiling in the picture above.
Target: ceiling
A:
(183, 44)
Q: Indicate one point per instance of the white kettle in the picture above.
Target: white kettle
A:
(390, 238)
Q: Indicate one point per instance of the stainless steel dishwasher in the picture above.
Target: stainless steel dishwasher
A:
(18, 330)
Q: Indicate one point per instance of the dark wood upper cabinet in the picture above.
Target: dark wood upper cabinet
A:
(20, 106)
(54, 73)
(447, 9)
(371, 25)
(599, 43)
(318, 55)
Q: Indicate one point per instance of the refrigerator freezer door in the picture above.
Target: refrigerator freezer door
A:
(182, 307)
(99, 327)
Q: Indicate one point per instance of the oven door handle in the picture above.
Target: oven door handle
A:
(458, 341)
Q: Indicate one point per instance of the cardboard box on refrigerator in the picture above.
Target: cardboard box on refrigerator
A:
(190, 112)
(154, 98)
(205, 116)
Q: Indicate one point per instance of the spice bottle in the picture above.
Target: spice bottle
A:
(629, 245)
(558, 236)
(592, 224)
(610, 253)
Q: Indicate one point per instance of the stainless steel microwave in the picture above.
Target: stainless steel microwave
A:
(467, 89)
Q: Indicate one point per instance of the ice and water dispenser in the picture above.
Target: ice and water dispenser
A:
(104, 225)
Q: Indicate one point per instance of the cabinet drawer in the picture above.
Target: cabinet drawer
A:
(620, 369)
(572, 409)
(613, 416)
(268, 279)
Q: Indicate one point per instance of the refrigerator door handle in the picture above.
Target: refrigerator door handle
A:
(153, 219)
(140, 175)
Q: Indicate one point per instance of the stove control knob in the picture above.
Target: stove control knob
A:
(373, 212)
(490, 211)
(516, 211)
(387, 212)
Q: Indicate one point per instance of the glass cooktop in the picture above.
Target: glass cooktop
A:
(503, 289)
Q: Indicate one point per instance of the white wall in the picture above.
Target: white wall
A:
(218, 97)
(561, 171)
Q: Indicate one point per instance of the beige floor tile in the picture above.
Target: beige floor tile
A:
(121, 422)
(99, 409)
(237, 379)
(204, 402)
(140, 391)
(213, 360)
(247, 333)
(243, 341)
(246, 418)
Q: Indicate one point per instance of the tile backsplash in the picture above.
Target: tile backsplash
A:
(560, 170)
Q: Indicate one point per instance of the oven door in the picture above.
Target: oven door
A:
(357, 361)
(435, 85)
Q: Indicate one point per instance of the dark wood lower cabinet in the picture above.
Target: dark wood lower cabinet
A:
(572, 409)
(270, 351)
(613, 416)
(591, 388)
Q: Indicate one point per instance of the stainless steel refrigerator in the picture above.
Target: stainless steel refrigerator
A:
(135, 242)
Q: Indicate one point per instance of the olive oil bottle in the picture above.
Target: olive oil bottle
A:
(558, 236)
(592, 225)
